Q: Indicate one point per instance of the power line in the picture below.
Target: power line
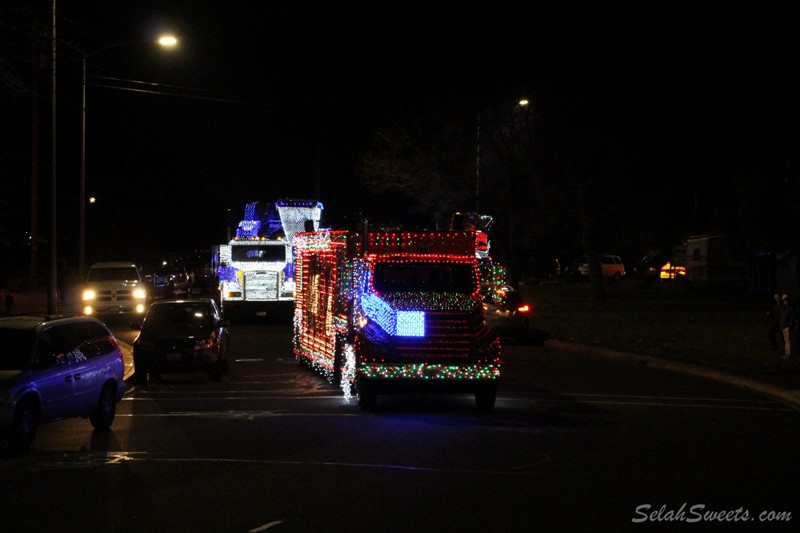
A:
(174, 93)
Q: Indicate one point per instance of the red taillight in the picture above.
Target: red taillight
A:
(524, 308)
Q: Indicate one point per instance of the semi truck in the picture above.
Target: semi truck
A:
(256, 269)
(383, 311)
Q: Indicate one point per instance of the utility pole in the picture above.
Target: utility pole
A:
(52, 298)
(37, 56)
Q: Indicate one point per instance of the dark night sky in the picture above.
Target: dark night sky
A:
(268, 96)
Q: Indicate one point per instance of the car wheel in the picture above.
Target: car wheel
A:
(103, 415)
(335, 377)
(24, 425)
(485, 396)
(215, 372)
(139, 376)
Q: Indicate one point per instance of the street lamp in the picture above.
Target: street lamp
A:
(165, 41)
(522, 103)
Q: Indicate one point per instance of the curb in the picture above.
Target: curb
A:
(127, 359)
(790, 397)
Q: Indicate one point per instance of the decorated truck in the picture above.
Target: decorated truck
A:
(388, 311)
(256, 269)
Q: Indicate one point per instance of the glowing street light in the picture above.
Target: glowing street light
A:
(165, 41)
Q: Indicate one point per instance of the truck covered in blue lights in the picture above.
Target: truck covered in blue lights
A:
(256, 269)
(390, 311)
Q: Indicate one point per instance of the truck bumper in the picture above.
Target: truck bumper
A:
(244, 309)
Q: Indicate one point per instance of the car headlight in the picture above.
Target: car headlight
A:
(140, 293)
(88, 294)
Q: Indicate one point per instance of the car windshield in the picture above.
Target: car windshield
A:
(16, 348)
(176, 315)
(112, 273)
(424, 277)
(275, 253)
(157, 267)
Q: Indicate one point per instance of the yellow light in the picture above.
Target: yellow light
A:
(140, 308)
(88, 310)
(668, 271)
(88, 295)
(140, 293)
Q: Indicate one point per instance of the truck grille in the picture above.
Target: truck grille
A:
(448, 336)
(261, 285)
(114, 295)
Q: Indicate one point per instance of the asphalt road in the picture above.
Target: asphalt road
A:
(575, 443)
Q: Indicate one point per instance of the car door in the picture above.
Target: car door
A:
(70, 373)
(53, 376)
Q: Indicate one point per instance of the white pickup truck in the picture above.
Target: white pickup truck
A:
(114, 288)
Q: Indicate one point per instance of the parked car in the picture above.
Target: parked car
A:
(507, 312)
(52, 368)
(202, 274)
(165, 275)
(181, 336)
(611, 266)
(114, 288)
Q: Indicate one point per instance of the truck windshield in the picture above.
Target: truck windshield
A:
(424, 277)
(113, 273)
(275, 253)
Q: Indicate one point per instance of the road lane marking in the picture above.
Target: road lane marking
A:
(266, 526)
(42, 462)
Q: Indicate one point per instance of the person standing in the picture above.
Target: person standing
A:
(787, 324)
(775, 322)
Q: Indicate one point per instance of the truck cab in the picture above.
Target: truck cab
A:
(114, 288)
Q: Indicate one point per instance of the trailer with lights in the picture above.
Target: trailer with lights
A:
(256, 268)
(378, 312)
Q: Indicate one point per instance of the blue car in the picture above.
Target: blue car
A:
(53, 368)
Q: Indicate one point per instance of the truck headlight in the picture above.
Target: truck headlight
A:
(140, 294)
(88, 294)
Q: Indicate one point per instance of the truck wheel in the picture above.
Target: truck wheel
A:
(338, 362)
(367, 399)
(485, 396)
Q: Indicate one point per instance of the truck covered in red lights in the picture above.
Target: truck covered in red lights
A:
(388, 311)
(256, 269)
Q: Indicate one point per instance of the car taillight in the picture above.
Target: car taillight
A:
(524, 308)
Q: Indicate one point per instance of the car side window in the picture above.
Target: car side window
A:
(45, 354)
(68, 341)
(102, 341)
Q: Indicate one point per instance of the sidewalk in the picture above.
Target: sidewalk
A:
(35, 301)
